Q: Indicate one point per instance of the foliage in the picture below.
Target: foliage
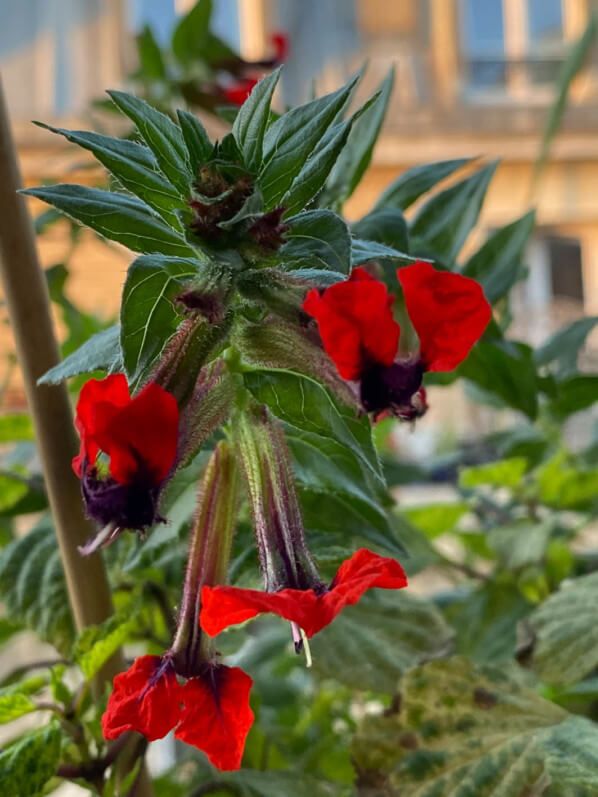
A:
(387, 708)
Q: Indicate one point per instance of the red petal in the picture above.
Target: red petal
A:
(98, 401)
(356, 323)
(142, 436)
(217, 717)
(449, 313)
(224, 606)
(281, 45)
(238, 92)
(141, 701)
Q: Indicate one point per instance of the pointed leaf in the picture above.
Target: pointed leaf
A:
(199, 146)
(151, 63)
(385, 226)
(291, 140)
(363, 251)
(251, 121)
(149, 316)
(161, 135)
(303, 404)
(444, 222)
(505, 370)
(575, 394)
(410, 185)
(134, 166)
(317, 239)
(100, 353)
(357, 154)
(120, 218)
(313, 175)
(191, 33)
(497, 265)
(564, 345)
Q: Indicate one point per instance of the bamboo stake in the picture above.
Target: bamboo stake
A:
(28, 306)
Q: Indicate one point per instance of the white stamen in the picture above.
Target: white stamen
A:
(306, 647)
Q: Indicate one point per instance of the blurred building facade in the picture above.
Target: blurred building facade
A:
(474, 77)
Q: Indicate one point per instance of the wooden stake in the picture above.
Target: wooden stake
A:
(28, 305)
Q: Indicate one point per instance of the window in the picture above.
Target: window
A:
(483, 43)
(545, 39)
(565, 268)
(513, 47)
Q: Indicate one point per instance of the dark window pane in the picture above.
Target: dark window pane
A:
(545, 22)
(486, 74)
(565, 268)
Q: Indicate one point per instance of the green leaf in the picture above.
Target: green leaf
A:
(501, 473)
(149, 316)
(371, 645)
(563, 485)
(520, 544)
(306, 406)
(363, 251)
(100, 353)
(435, 519)
(151, 63)
(564, 345)
(316, 169)
(29, 763)
(36, 593)
(292, 139)
(575, 394)
(357, 154)
(252, 120)
(505, 370)
(466, 731)
(410, 185)
(572, 754)
(565, 632)
(14, 705)
(197, 141)
(317, 239)
(485, 620)
(191, 33)
(327, 471)
(97, 643)
(385, 226)
(16, 427)
(274, 783)
(497, 264)
(443, 223)
(134, 166)
(162, 136)
(570, 68)
(120, 218)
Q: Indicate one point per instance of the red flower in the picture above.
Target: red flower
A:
(146, 698)
(210, 711)
(140, 434)
(310, 610)
(448, 311)
(281, 46)
(217, 716)
(236, 93)
(356, 323)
